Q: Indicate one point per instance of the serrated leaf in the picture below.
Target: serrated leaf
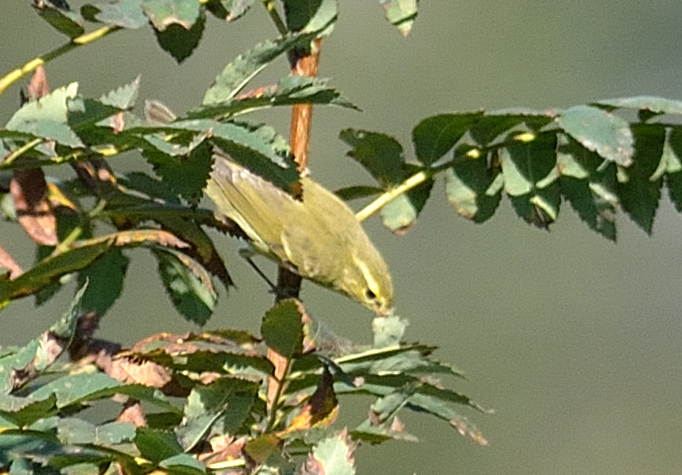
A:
(466, 187)
(435, 136)
(156, 445)
(656, 105)
(181, 42)
(282, 328)
(289, 90)
(600, 132)
(188, 285)
(673, 177)
(123, 97)
(246, 66)
(77, 257)
(639, 194)
(105, 278)
(61, 19)
(187, 176)
(332, 455)
(401, 13)
(580, 176)
(47, 117)
(380, 154)
(123, 13)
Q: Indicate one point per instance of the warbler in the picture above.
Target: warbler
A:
(316, 236)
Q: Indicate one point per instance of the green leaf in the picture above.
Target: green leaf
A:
(674, 167)
(77, 431)
(656, 105)
(639, 194)
(23, 412)
(599, 131)
(401, 13)
(183, 464)
(355, 192)
(333, 455)
(123, 13)
(288, 91)
(435, 136)
(61, 19)
(400, 214)
(469, 188)
(388, 331)
(181, 42)
(229, 10)
(589, 189)
(47, 117)
(105, 277)
(312, 15)
(380, 154)
(282, 328)
(246, 66)
(123, 97)
(156, 445)
(80, 255)
(188, 285)
(187, 176)
(163, 13)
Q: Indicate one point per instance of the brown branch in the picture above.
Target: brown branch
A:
(303, 63)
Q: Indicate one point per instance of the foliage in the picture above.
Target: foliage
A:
(204, 402)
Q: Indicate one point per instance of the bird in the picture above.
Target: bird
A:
(315, 235)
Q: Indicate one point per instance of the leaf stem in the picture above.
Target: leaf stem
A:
(279, 379)
(421, 176)
(81, 40)
(274, 15)
(20, 151)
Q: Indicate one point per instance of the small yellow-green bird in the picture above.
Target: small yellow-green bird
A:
(316, 236)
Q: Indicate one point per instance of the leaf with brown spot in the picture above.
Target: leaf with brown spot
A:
(320, 410)
(29, 192)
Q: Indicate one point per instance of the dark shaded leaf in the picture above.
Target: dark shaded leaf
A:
(639, 194)
(380, 154)
(355, 192)
(188, 285)
(589, 189)
(61, 18)
(156, 445)
(469, 186)
(435, 136)
(187, 176)
(282, 328)
(179, 41)
(105, 281)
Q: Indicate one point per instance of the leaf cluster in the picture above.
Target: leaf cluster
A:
(197, 403)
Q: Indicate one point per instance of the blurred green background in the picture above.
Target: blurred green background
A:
(574, 341)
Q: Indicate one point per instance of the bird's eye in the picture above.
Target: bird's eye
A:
(370, 295)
